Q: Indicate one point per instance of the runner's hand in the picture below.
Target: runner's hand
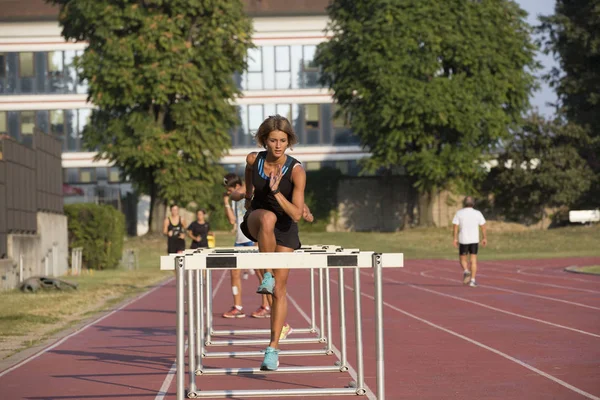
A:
(484, 242)
(308, 217)
(456, 243)
(275, 178)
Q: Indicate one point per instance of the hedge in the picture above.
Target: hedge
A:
(99, 230)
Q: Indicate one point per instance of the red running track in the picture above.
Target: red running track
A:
(529, 331)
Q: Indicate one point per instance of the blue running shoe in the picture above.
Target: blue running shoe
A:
(267, 285)
(271, 361)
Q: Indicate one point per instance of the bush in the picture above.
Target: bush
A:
(100, 230)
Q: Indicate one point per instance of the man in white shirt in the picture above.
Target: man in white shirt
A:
(466, 222)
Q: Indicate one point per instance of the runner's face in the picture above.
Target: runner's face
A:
(174, 211)
(200, 216)
(277, 143)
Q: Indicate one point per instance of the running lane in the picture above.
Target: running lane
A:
(125, 355)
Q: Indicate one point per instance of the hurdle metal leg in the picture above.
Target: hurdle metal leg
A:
(313, 322)
(342, 296)
(179, 267)
(360, 372)
(191, 335)
(208, 340)
(378, 273)
(322, 338)
(200, 315)
(328, 310)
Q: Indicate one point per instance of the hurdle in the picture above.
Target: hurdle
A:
(193, 264)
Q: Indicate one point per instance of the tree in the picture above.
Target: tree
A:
(572, 35)
(429, 85)
(540, 168)
(161, 74)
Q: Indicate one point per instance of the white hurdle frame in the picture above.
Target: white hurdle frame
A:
(197, 262)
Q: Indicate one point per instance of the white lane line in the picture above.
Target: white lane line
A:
(521, 271)
(495, 351)
(77, 332)
(424, 274)
(351, 371)
(496, 309)
(541, 284)
(164, 389)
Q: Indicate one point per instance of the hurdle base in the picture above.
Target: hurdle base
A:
(243, 354)
(274, 393)
(256, 332)
(257, 371)
(251, 342)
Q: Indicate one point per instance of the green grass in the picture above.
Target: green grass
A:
(26, 319)
(594, 269)
(437, 243)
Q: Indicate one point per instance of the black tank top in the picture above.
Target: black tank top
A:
(263, 198)
(177, 229)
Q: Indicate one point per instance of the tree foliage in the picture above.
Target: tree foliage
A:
(572, 35)
(429, 85)
(161, 74)
(540, 167)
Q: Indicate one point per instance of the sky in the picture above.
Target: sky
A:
(545, 94)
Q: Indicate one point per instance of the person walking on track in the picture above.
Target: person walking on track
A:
(466, 223)
(275, 184)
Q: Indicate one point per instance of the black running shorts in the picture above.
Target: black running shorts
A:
(286, 235)
(464, 249)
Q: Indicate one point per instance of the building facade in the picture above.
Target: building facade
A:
(41, 92)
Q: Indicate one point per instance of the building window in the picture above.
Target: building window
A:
(101, 173)
(87, 175)
(255, 69)
(55, 71)
(311, 116)
(85, 114)
(57, 123)
(310, 68)
(283, 74)
(3, 123)
(27, 122)
(285, 110)
(255, 117)
(70, 72)
(114, 175)
(313, 165)
(2, 65)
(26, 69)
(71, 175)
(343, 135)
(55, 63)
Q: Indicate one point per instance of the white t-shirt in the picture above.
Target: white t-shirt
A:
(238, 211)
(468, 220)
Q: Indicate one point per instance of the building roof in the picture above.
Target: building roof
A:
(39, 10)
